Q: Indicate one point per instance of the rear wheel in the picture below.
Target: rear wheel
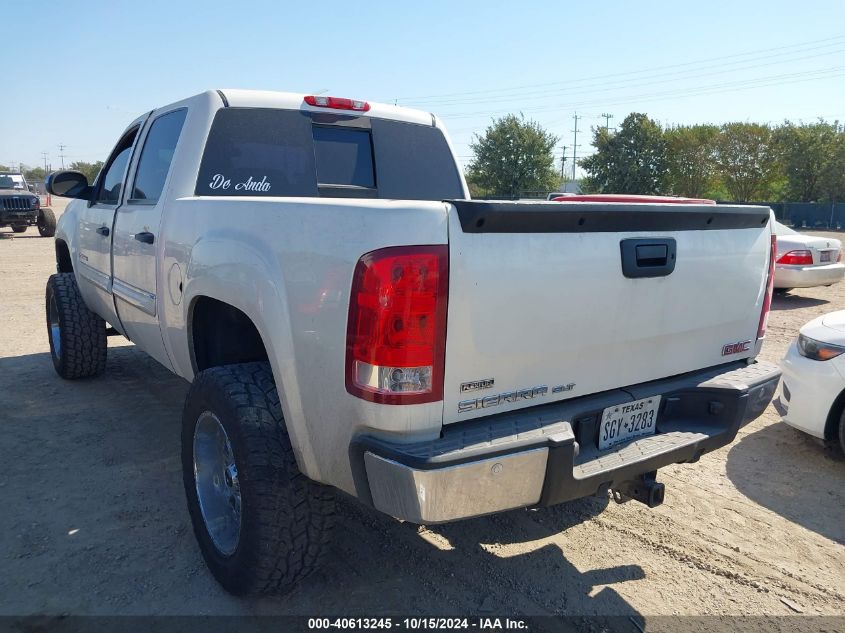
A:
(46, 223)
(261, 525)
(782, 291)
(20, 229)
(77, 336)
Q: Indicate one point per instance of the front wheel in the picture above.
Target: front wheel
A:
(842, 432)
(78, 344)
(261, 525)
(46, 223)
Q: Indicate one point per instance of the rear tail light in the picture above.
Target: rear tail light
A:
(770, 286)
(337, 103)
(797, 258)
(838, 256)
(396, 334)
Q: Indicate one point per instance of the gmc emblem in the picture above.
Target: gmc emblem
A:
(736, 348)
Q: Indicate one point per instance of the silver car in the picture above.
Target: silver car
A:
(804, 261)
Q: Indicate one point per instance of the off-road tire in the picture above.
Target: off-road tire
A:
(286, 518)
(46, 223)
(81, 333)
(20, 229)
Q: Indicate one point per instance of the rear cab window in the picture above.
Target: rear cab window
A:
(293, 153)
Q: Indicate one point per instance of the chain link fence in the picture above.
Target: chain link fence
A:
(807, 215)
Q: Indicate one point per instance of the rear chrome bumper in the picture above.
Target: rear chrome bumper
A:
(548, 454)
(808, 276)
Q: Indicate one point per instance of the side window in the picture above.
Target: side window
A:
(111, 178)
(156, 157)
(258, 152)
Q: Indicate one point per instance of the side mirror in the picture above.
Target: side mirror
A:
(69, 184)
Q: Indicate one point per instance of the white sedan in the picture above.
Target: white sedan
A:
(812, 397)
(804, 261)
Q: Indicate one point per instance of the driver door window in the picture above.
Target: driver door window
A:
(111, 180)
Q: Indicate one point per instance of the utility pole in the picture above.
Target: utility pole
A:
(44, 156)
(62, 154)
(607, 118)
(575, 145)
(562, 164)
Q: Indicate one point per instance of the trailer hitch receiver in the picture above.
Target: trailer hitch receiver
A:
(644, 489)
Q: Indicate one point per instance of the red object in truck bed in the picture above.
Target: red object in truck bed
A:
(621, 197)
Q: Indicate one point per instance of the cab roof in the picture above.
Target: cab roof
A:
(296, 101)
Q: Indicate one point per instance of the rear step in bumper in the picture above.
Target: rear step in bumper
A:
(548, 454)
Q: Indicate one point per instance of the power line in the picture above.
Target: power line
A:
(44, 156)
(743, 84)
(763, 82)
(62, 154)
(607, 118)
(771, 52)
(608, 86)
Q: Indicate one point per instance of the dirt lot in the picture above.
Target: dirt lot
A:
(93, 519)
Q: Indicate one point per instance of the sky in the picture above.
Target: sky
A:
(92, 66)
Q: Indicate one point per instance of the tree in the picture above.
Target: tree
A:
(513, 156)
(632, 160)
(36, 174)
(805, 153)
(747, 161)
(832, 179)
(691, 165)
(89, 169)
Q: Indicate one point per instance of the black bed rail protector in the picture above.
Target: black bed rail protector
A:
(477, 216)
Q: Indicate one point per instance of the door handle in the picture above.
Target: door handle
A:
(146, 237)
(104, 231)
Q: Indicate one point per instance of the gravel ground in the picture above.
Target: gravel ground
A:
(93, 518)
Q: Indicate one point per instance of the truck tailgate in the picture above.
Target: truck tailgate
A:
(542, 307)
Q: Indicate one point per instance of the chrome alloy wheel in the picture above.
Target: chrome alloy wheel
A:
(216, 479)
(55, 331)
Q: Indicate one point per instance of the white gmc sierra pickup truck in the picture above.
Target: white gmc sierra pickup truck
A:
(349, 320)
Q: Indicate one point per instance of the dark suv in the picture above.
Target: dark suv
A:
(19, 208)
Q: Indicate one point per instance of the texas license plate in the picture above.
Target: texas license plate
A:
(626, 421)
(825, 256)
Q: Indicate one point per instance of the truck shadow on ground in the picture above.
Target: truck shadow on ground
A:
(96, 522)
(491, 565)
(792, 474)
(794, 302)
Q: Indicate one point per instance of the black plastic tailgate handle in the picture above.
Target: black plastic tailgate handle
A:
(648, 257)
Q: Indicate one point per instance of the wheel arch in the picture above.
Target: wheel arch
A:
(222, 334)
(833, 417)
(212, 323)
(64, 262)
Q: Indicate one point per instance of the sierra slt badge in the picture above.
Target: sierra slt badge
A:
(736, 348)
